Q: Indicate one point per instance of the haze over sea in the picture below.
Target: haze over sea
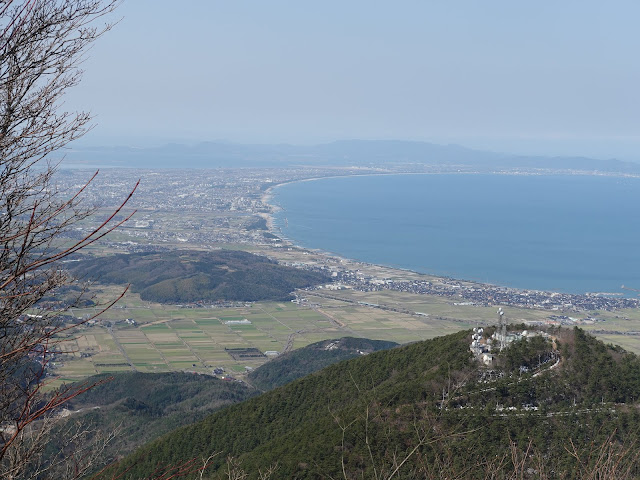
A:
(572, 234)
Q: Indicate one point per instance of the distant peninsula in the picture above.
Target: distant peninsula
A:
(400, 155)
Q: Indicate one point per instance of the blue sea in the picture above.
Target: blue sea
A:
(572, 234)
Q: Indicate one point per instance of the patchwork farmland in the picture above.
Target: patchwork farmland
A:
(149, 337)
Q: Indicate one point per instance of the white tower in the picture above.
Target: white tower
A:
(502, 329)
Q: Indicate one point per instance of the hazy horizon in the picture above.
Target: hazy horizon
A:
(534, 79)
(487, 146)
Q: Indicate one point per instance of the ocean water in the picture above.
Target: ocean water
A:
(564, 233)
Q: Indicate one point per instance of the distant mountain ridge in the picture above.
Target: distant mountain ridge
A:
(343, 152)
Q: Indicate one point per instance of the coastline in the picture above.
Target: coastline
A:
(268, 197)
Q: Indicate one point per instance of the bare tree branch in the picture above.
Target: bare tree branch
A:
(42, 45)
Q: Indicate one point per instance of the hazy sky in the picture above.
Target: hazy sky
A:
(546, 76)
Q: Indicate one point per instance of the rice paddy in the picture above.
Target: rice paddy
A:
(174, 338)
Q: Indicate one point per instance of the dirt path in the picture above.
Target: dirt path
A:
(121, 348)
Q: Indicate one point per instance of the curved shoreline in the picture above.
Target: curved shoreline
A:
(268, 197)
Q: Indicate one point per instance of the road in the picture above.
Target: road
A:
(117, 342)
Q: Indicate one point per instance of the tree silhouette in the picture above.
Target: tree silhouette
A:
(42, 44)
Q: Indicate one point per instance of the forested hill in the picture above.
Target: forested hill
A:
(139, 407)
(131, 409)
(303, 361)
(191, 276)
(430, 410)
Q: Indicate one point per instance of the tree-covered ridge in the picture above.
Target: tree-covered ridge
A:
(303, 361)
(431, 404)
(140, 407)
(295, 423)
(582, 371)
(190, 276)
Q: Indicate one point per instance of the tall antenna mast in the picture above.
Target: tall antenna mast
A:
(502, 328)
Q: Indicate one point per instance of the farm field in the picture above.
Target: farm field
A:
(178, 338)
(166, 338)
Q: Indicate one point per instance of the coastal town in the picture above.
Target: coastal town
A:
(213, 208)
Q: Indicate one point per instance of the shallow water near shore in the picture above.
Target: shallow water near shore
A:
(573, 234)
